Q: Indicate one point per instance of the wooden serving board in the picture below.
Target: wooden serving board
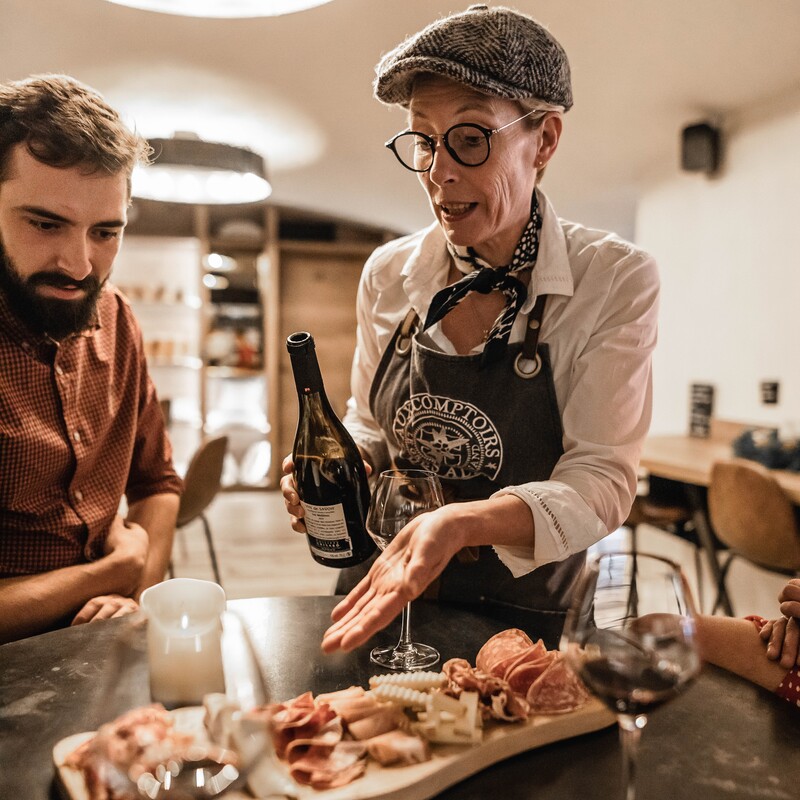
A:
(449, 763)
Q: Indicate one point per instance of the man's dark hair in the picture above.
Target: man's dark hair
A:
(64, 123)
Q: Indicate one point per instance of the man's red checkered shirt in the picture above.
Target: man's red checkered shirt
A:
(80, 426)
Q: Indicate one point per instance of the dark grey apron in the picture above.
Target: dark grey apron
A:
(480, 430)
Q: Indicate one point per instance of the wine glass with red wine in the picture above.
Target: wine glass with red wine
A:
(630, 635)
(399, 496)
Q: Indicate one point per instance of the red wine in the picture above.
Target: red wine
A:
(328, 469)
(633, 688)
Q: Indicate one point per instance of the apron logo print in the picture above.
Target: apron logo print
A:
(450, 437)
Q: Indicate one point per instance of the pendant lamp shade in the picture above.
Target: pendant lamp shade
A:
(223, 8)
(190, 170)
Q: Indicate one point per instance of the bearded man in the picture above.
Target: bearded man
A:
(80, 423)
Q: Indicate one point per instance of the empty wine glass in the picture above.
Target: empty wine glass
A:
(399, 496)
(630, 635)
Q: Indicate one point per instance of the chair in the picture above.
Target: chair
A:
(660, 506)
(166, 410)
(201, 484)
(752, 516)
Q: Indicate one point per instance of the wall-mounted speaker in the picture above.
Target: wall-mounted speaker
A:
(701, 148)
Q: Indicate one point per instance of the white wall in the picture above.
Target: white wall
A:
(728, 249)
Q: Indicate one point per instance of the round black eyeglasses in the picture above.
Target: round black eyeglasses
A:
(467, 142)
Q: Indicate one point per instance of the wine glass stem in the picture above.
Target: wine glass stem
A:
(630, 731)
(405, 642)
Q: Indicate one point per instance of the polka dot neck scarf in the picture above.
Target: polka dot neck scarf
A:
(485, 279)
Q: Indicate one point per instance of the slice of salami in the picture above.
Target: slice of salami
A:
(535, 652)
(524, 673)
(557, 690)
(499, 648)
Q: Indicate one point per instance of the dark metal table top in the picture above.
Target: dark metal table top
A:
(723, 739)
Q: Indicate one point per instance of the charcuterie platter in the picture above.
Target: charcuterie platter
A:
(456, 723)
(449, 764)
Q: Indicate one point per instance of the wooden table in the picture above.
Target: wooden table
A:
(722, 740)
(689, 460)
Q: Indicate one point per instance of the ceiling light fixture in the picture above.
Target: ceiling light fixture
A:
(223, 8)
(189, 170)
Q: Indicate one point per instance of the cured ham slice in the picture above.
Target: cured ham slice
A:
(557, 690)
(496, 697)
(328, 766)
(398, 747)
(300, 718)
(327, 736)
(133, 744)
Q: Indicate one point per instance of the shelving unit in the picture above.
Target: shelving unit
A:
(215, 328)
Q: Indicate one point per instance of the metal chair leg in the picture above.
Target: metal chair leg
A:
(698, 569)
(722, 600)
(211, 552)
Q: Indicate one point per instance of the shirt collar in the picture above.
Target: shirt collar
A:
(553, 274)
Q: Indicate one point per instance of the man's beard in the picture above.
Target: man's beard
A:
(48, 315)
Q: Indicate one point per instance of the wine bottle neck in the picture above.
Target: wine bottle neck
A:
(307, 375)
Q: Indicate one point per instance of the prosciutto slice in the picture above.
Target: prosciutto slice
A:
(497, 699)
(135, 743)
(328, 766)
(300, 718)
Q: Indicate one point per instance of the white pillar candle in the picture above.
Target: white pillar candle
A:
(184, 635)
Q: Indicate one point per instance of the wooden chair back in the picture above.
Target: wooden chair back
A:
(751, 514)
(202, 480)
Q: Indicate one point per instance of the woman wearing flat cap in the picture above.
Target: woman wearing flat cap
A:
(501, 347)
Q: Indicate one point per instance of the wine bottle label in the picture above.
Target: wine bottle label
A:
(327, 530)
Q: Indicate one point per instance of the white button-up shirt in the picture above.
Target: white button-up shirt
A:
(600, 324)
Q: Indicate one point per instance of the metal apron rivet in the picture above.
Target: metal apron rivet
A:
(533, 371)
(402, 344)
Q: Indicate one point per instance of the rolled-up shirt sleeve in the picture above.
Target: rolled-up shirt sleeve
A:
(605, 403)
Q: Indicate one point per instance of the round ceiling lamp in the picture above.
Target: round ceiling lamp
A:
(223, 8)
(190, 170)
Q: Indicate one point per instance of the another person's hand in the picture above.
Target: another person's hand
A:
(127, 543)
(106, 606)
(411, 562)
(783, 634)
(790, 599)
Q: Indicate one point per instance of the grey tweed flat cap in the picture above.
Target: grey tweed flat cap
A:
(498, 51)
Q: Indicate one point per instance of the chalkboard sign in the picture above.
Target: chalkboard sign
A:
(701, 409)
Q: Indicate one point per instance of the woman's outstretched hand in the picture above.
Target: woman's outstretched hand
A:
(411, 562)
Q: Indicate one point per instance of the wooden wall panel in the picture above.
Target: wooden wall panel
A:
(318, 285)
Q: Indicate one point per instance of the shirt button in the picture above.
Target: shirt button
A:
(78, 495)
(59, 371)
(76, 436)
